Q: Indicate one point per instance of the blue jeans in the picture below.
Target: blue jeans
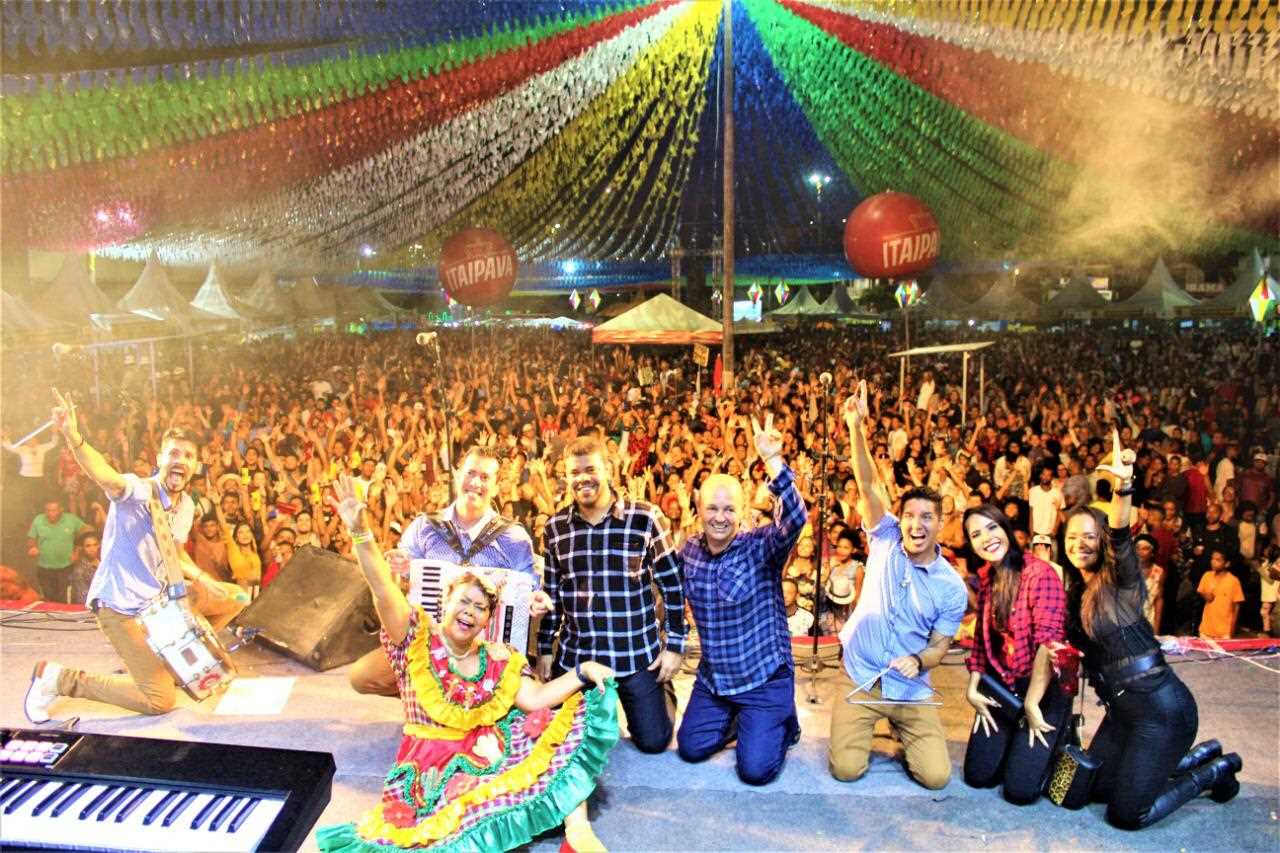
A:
(650, 708)
(766, 726)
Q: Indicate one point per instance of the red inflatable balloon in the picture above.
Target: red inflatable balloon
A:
(891, 235)
(477, 267)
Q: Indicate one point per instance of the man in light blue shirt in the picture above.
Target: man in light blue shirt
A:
(910, 607)
(131, 574)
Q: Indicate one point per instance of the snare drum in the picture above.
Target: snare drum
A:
(188, 647)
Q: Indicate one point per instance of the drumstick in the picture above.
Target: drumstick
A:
(44, 426)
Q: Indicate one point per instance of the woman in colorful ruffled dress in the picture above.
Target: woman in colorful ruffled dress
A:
(487, 761)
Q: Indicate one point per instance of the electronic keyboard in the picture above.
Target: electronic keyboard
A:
(67, 790)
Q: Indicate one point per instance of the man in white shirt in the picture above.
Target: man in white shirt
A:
(1226, 470)
(1046, 505)
(31, 456)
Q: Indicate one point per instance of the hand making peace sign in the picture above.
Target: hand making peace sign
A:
(768, 440)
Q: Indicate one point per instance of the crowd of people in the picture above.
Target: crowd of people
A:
(812, 496)
(285, 417)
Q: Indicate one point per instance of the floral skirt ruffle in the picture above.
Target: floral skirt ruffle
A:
(473, 809)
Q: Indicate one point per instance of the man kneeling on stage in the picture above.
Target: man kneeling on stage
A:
(130, 576)
(733, 581)
(910, 607)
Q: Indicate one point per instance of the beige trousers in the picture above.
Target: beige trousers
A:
(920, 728)
(148, 688)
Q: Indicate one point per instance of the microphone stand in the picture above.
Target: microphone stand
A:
(814, 665)
(448, 416)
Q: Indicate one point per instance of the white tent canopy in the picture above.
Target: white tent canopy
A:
(267, 298)
(1003, 302)
(1249, 271)
(73, 297)
(1160, 295)
(1077, 299)
(801, 305)
(831, 306)
(212, 297)
(660, 320)
(154, 297)
(18, 317)
(941, 348)
(939, 300)
(365, 302)
(312, 301)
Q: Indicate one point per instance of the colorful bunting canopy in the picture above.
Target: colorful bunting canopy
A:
(292, 136)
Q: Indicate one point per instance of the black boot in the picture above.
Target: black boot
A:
(1225, 788)
(1199, 754)
(1218, 776)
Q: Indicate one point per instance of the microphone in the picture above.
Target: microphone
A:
(66, 349)
(425, 338)
(825, 378)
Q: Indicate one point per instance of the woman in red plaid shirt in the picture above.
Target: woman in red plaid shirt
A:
(1022, 611)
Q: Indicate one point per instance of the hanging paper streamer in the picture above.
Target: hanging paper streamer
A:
(1211, 53)
(104, 122)
(574, 299)
(593, 300)
(1048, 108)
(777, 212)
(583, 130)
(209, 175)
(989, 191)
(906, 294)
(585, 194)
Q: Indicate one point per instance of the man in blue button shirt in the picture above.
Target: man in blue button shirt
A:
(911, 605)
(733, 582)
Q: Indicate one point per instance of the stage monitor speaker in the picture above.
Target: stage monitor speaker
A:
(318, 611)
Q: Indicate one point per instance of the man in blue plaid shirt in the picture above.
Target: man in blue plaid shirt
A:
(604, 555)
(733, 581)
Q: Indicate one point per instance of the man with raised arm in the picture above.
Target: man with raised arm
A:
(732, 579)
(131, 575)
(909, 610)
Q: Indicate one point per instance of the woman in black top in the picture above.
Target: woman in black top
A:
(1146, 771)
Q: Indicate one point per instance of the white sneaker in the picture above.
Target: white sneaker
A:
(42, 692)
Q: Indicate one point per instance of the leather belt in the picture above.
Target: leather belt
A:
(1122, 676)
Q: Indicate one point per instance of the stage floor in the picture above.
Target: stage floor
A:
(660, 803)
